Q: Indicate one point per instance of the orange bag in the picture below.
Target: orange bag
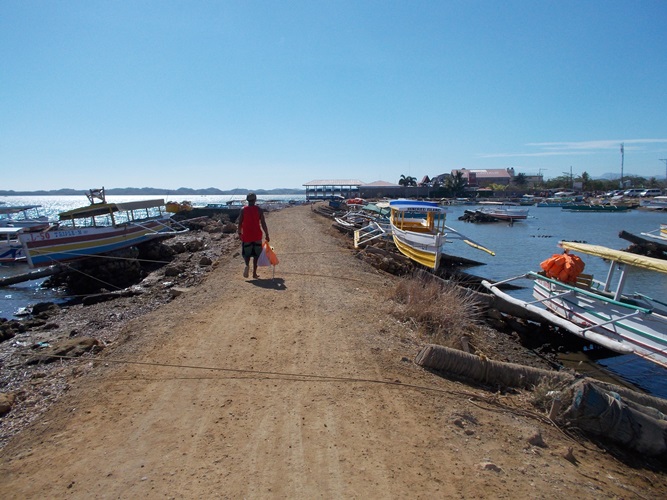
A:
(271, 255)
(563, 267)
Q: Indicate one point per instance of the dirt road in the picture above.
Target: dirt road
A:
(289, 388)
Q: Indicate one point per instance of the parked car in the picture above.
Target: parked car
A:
(611, 194)
(650, 192)
(633, 193)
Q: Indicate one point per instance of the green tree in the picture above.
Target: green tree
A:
(407, 181)
(520, 179)
(456, 184)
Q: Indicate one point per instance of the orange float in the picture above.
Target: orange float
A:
(564, 267)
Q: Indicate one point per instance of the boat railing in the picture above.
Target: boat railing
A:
(372, 231)
(591, 294)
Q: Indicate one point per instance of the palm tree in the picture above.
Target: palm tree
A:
(407, 181)
(457, 183)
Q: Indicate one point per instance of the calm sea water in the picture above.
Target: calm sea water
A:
(519, 248)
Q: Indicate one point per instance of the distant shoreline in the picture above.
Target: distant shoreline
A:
(154, 191)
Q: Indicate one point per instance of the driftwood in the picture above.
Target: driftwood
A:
(484, 370)
(32, 275)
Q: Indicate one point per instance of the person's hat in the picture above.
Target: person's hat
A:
(251, 197)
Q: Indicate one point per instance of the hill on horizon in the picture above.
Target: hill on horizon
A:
(129, 191)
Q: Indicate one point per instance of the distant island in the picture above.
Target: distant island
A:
(154, 191)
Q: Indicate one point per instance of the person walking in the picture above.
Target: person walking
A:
(250, 233)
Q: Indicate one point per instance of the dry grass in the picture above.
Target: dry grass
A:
(439, 309)
(544, 393)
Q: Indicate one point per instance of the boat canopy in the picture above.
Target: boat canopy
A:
(89, 211)
(11, 231)
(138, 205)
(416, 206)
(16, 209)
(106, 208)
(649, 263)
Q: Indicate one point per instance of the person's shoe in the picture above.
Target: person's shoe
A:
(255, 276)
(246, 271)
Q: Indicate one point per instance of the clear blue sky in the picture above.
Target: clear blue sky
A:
(268, 94)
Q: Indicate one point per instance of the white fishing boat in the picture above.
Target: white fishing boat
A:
(98, 228)
(602, 311)
(24, 216)
(504, 211)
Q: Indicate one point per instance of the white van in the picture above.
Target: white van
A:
(633, 193)
(650, 192)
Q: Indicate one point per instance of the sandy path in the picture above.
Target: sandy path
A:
(269, 429)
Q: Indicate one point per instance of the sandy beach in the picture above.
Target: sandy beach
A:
(300, 386)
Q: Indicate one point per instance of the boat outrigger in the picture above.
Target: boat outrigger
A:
(98, 229)
(601, 312)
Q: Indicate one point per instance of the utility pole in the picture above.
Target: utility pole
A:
(665, 160)
(571, 178)
(622, 161)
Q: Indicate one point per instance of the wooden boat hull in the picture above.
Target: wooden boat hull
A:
(11, 252)
(417, 230)
(424, 248)
(628, 329)
(50, 247)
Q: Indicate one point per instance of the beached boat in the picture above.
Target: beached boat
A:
(98, 229)
(417, 229)
(602, 312)
(419, 232)
(25, 216)
(11, 250)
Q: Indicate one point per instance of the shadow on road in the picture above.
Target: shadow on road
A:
(269, 283)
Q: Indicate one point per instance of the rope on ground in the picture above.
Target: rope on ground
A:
(91, 276)
(323, 276)
(328, 378)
